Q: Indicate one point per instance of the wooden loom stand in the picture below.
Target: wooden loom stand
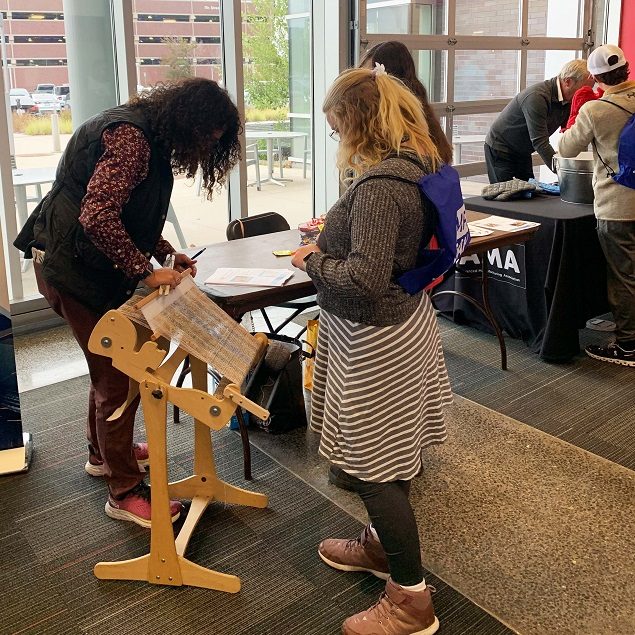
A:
(134, 354)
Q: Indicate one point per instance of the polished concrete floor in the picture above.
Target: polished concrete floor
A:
(537, 531)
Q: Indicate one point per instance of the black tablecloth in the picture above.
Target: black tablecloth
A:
(542, 291)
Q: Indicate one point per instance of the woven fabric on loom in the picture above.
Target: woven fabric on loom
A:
(188, 317)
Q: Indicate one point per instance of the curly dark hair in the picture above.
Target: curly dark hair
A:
(614, 77)
(186, 117)
(398, 62)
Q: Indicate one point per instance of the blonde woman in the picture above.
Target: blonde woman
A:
(380, 381)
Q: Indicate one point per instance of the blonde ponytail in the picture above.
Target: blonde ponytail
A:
(376, 114)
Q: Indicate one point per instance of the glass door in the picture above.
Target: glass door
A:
(277, 70)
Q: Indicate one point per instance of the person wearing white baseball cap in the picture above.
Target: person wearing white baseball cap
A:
(605, 59)
(600, 122)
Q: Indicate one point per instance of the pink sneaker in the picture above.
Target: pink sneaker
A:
(95, 467)
(135, 506)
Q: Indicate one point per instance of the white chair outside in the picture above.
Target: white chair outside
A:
(172, 218)
(252, 158)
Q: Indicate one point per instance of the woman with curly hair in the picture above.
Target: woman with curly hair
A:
(93, 235)
(380, 382)
(397, 61)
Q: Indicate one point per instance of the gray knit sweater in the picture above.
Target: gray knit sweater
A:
(372, 235)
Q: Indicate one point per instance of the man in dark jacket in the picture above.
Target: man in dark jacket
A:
(528, 121)
(93, 235)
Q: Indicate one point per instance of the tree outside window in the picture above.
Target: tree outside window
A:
(266, 50)
(179, 57)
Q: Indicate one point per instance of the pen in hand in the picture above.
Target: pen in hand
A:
(198, 253)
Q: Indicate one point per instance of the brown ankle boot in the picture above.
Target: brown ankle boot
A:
(398, 612)
(358, 554)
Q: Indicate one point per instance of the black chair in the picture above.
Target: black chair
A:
(267, 223)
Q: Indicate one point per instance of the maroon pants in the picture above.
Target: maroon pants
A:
(108, 441)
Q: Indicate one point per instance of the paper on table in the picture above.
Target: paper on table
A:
(476, 231)
(250, 277)
(500, 223)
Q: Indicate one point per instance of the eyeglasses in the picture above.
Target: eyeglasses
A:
(335, 135)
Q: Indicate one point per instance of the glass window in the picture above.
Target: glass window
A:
(488, 18)
(41, 100)
(195, 220)
(468, 136)
(207, 18)
(38, 63)
(477, 75)
(36, 16)
(543, 65)
(406, 17)
(486, 74)
(555, 18)
(146, 17)
(208, 40)
(277, 71)
(432, 71)
(38, 39)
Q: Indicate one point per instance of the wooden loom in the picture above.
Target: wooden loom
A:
(129, 343)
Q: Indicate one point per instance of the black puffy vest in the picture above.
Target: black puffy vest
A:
(72, 263)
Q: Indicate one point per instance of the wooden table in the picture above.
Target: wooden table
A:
(480, 245)
(256, 252)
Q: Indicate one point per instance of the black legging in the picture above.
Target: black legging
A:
(394, 521)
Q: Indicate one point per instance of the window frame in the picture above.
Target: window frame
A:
(452, 42)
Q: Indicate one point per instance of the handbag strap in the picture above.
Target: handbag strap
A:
(610, 172)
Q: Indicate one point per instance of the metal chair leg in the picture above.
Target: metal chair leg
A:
(185, 371)
(244, 435)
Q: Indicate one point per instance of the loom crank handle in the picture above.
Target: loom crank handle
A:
(152, 295)
(231, 391)
(164, 289)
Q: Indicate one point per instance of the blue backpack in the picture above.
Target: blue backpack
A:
(625, 152)
(443, 190)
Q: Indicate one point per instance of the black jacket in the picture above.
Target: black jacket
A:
(528, 121)
(73, 264)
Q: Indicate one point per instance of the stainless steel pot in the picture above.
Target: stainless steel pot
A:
(575, 177)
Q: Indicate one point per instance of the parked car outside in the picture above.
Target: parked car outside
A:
(45, 88)
(62, 93)
(21, 100)
(46, 103)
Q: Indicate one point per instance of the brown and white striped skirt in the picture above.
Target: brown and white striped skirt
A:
(379, 393)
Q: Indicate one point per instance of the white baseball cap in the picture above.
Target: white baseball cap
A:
(605, 58)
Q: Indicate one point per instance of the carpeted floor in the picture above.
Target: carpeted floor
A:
(54, 530)
(535, 530)
(588, 403)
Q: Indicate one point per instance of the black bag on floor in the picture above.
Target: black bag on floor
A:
(276, 384)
